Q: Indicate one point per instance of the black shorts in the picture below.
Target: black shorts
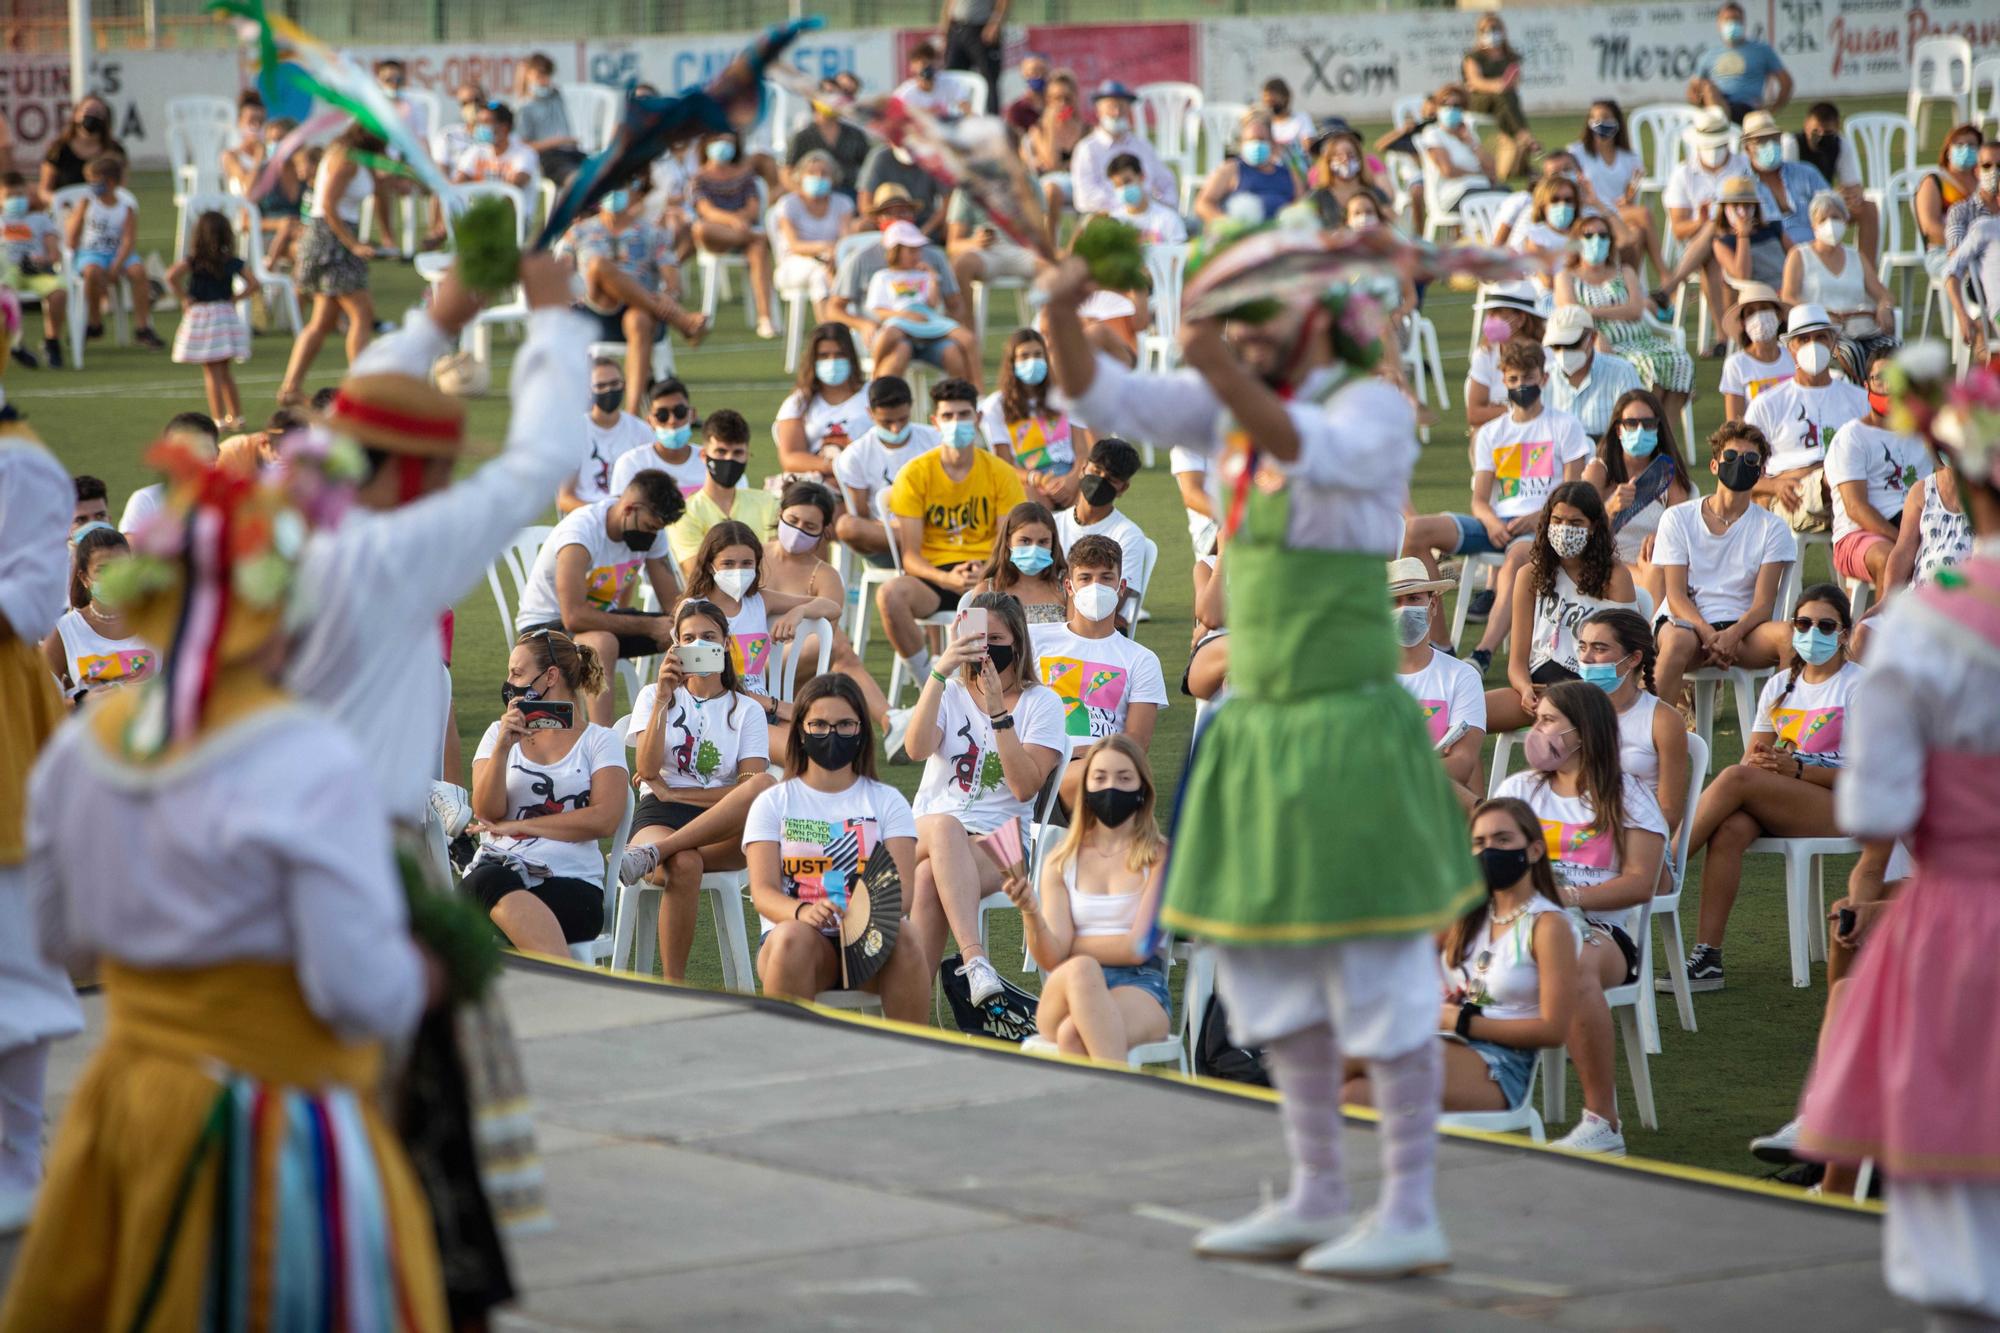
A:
(947, 595)
(1552, 673)
(578, 905)
(611, 327)
(1625, 946)
(630, 646)
(652, 812)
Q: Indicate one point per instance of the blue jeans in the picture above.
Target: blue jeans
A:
(1472, 538)
(1512, 1067)
(1149, 977)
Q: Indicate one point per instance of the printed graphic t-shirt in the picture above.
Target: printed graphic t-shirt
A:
(534, 790)
(707, 739)
(1450, 693)
(1809, 719)
(613, 566)
(960, 517)
(1098, 680)
(964, 777)
(825, 838)
(1583, 855)
(1527, 458)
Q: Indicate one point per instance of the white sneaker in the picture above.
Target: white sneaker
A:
(454, 812)
(899, 727)
(1039, 1045)
(1371, 1250)
(1777, 1147)
(1269, 1233)
(1594, 1135)
(980, 979)
(639, 862)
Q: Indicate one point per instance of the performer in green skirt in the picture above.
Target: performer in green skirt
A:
(1319, 844)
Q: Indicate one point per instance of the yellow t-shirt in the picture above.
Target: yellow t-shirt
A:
(757, 508)
(960, 517)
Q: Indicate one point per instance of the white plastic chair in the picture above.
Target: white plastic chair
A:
(1667, 907)
(593, 112)
(1166, 267)
(1468, 575)
(972, 87)
(1986, 95)
(1902, 243)
(194, 151)
(1805, 894)
(1135, 598)
(869, 577)
(1875, 134)
(1520, 1119)
(1219, 121)
(1746, 683)
(1658, 132)
(1176, 1048)
(1940, 71)
(516, 559)
(636, 932)
(714, 268)
(784, 667)
(1478, 214)
(1169, 117)
(600, 950)
(940, 620)
(1629, 1005)
(1423, 363)
(980, 290)
(120, 301)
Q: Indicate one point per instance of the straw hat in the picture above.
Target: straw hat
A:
(1738, 190)
(400, 414)
(1760, 125)
(1749, 294)
(1408, 575)
(1710, 129)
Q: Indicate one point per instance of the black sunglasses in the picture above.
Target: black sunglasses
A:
(1731, 455)
(1643, 423)
(678, 412)
(1825, 624)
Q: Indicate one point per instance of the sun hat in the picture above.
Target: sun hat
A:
(1408, 575)
(1749, 294)
(399, 414)
(1710, 129)
(1760, 125)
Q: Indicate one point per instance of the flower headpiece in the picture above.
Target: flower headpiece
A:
(1960, 421)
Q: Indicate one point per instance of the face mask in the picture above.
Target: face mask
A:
(1568, 540)
(640, 541)
(1037, 85)
(1964, 156)
(1713, 158)
(1098, 489)
(1451, 117)
(832, 751)
(509, 692)
(93, 123)
(1412, 624)
(1347, 168)
(1596, 249)
(794, 539)
(833, 369)
(735, 582)
(927, 72)
(1762, 326)
(1604, 129)
(1132, 195)
(607, 400)
(483, 133)
(1545, 752)
(17, 207)
(1495, 329)
(1501, 867)
(1001, 655)
(1740, 474)
(893, 437)
(1277, 106)
(726, 471)
(672, 437)
(1561, 215)
(721, 151)
(1765, 155)
(1489, 40)
(1989, 180)
(1812, 358)
(1604, 675)
(817, 187)
(617, 201)
(1816, 647)
(1030, 560)
(1112, 806)
(1256, 153)
(1095, 601)
(1830, 231)
(1525, 395)
(1639, 441)
(1879, 403)
(1573, 359)
(1114, 125)
(1732, 32)
(1032, 371)
(961, 434)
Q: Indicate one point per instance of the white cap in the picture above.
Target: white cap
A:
(905, 234)
(1569, 324)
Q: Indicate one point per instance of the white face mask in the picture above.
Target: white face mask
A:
(1412, 624)
(1573, 359)
(735, 582)
(1812, 358)
(1568, 539)
(1762, 326)
(1830, 230)
(1095, 601)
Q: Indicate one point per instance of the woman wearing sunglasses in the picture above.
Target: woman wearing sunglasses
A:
(1640, 436)
(1784, 786)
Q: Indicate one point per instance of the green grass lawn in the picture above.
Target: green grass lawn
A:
(1738, 1076)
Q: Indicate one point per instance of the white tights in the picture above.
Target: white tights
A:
(22, 1069)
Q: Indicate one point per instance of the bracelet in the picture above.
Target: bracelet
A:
(940, 677)
(1466, 1013)
(1004, 722)
(1799, 767)
(800, 908)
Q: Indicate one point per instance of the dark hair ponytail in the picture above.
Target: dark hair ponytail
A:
(1833, 597)
(1634, 635)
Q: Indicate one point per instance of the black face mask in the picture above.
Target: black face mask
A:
(1098, 489)
(509, 692)
(1740, 474)
(726, 471)
(1112, 806)
(93, 123)
(640, 541)
(1502, 867)
(1001, 655)
(832, 751)
(607, 400)
(1525, 395)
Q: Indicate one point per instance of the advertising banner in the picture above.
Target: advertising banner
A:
(35, 101)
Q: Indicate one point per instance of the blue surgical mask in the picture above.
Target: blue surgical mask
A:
(1037, 85)
(1030, 560)
(1561, 215)
(1964, 156)
(1732, 31)
(892, 438)
(673, 437)
(17, 206)
(1132, 195)
(483, 133)
(833, 369)
(1032, 370)
(1766, 154)
(1451, 117)
(618, 201)
(722, 150)
(1639, 441)
(1815, 646)
(1604, 675)
(816, 187)
(1256, 152)
(961, 434)
(1596, 249)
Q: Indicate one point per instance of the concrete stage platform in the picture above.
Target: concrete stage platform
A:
(722, 1162)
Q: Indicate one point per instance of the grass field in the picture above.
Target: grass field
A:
(1738, 1076)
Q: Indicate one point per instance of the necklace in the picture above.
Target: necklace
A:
(1499, 923)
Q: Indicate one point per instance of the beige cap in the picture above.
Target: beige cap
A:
(1569, 325)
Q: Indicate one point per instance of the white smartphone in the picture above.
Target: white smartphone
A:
(701, 658)
(972, 620)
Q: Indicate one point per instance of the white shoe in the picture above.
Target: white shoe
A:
(980, 979)
(899, 727)
(1594, 1135)
(639, 862)
(1039, 1045)
(1371, 1250)
(1269, 1233)
(16, 1207)
(454, 812)
(1777, 1147)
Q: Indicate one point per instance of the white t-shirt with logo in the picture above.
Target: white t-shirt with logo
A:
(844, 422)
(750, 643)
(706, 739)
(688, 474)
(1887, 462)
(613, 566)
(1450, 693)
(608, 445)
(1584, 856)
(1098, 680)
(1800, 420)
(1747, 377)
(1157, 224)
(872, 466)
(1722, 570)
(536, 789)
(825, 838)
(964, 778)
(1130, 537)
(1527, 458)
(1806, 718)
(1041, 442)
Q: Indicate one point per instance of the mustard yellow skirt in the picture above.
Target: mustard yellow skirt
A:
(221, 1166)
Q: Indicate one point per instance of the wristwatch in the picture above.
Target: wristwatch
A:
(1466, 1013)
(1004, 722)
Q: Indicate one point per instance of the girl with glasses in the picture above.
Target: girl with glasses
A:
(1640, 436)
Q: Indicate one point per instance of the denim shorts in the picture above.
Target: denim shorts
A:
(1148, 977)
(1512, 1067)
(1472, 538)
(97, 259)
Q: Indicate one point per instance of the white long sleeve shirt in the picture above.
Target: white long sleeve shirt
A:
(36, 501)
(1356, 450)
(1090, 171)
(377, 586)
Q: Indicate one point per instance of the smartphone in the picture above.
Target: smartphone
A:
(546, 714)
(972, 620)
(701, 658)
(1844, 919)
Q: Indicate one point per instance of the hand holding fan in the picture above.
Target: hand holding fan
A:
(871, 920)
(1003, 844)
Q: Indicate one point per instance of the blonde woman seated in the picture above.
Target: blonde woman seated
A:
(1088, 932)
(1510, 966)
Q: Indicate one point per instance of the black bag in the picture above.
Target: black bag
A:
(1008, 1016)
(1214, 1057)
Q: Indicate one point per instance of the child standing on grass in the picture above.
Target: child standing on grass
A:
(103, 233)
(212, 334)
